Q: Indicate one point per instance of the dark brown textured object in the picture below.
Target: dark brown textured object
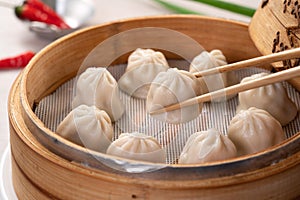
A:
(280, 21)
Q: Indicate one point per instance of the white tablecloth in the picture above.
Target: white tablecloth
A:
(15, 37)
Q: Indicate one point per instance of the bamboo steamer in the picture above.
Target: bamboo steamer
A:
(46, 166)
(274, 28)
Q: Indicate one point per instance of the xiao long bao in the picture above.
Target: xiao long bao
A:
(170, 87)
(143, 66)
(137, 146)
(253, 130)
(273, 98)
(96, 86)
(87, 126)
(208, 60)
(207, 146)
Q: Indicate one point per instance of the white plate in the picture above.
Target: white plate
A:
(6, 186)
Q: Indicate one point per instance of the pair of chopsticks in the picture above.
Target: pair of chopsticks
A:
(266, 80)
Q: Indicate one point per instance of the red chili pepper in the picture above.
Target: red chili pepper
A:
(47, 9)
(30, 13)
(17, 61)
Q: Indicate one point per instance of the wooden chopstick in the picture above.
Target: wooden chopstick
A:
(283, 55)
(266, 80)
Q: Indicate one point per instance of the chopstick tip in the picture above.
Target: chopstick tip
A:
(158, 111)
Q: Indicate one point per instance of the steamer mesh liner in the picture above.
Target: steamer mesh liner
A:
(52, 109)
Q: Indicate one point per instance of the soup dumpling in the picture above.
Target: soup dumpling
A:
(143, 66)
(208, 60)
(96, 86)
(273, 98)
(253, 130)
(87, 126)
(137, 146)
(170, 87)
(207, 146)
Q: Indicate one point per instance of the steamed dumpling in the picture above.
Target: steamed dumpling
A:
(96, 86)
(87, 126)
(207, 146)
(208, 60)
(137, 146)
(253, 130)
(273, 98)
(143, 66)
(170, 87)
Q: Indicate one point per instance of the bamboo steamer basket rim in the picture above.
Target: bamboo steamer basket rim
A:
(278, 152)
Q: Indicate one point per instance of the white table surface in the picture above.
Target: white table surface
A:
(15, 37)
